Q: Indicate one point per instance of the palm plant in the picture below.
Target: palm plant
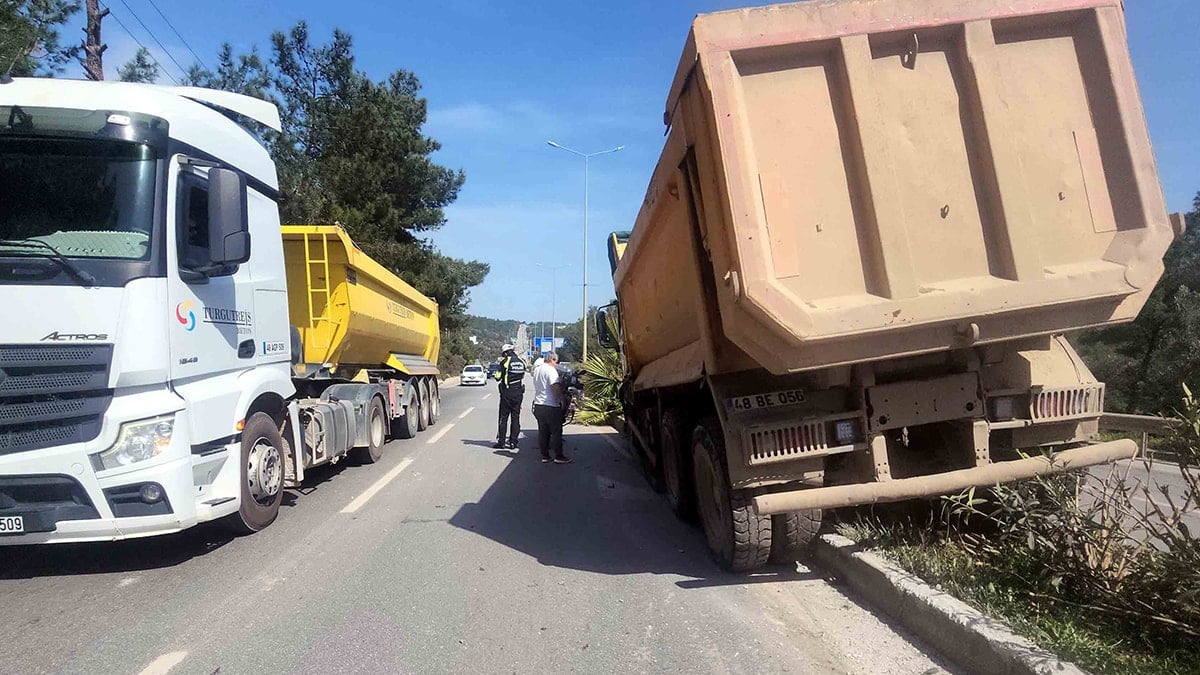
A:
(602, 386)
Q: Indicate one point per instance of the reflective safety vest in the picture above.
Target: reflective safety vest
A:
(512, 371)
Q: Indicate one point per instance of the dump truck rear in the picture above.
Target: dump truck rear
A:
(869, 228)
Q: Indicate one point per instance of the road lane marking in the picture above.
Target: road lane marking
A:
(438, 436)
(379, 485)
(466, 412)
(486, 397)
(164, 663)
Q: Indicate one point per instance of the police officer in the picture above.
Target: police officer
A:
(512, 389)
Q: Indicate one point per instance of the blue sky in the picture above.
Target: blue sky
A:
(503, 77)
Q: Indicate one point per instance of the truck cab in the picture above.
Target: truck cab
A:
(141, 266)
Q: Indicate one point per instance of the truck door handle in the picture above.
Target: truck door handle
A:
(246, 349)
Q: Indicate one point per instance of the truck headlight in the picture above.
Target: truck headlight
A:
(137, 442)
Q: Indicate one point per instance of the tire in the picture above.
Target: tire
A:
(376, 433)
(423, 409)
(676, 469)
(792, 534)
(262, 474)
(739, 538)
(405, 426)
(435, 401)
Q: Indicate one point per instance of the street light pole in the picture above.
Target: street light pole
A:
(586, 161)
(553, 299)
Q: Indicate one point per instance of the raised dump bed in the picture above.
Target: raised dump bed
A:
(880, 179)
(351, 311)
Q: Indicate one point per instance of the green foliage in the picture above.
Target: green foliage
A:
(352, 152)
(141, 68)
(604, 375)
(491, 335)
(573, 333)
(1103, 569)
(242, 74)
(30, 44)
(1142, 362)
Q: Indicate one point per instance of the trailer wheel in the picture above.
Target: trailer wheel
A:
(435, 401)
(405, 426)
(792, 533)
(423, 410)
(738, 537)
(376, 433)
(262, 470)
(676, 469)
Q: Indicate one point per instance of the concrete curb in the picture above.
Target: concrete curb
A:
(974, 641)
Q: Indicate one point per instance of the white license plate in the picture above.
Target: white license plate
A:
(766, 400)
(12, 524)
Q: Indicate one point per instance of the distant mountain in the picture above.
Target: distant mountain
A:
(491, 334)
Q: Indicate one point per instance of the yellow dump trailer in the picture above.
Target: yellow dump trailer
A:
(869, 227)
(351, 311)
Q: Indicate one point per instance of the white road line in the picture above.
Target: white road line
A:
(466, 412)
(486, 397)
(438, 436)
(379, 485)
(164, 663)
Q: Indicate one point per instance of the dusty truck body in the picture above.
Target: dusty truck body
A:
(869, 227)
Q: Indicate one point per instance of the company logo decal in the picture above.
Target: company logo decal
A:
(185, 316)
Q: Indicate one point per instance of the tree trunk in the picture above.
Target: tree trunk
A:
(93, 65)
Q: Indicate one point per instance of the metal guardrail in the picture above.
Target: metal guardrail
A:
(1146, 425)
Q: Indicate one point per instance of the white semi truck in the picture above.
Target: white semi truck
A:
(170, 354)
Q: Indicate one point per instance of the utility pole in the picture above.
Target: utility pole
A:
(93, 64)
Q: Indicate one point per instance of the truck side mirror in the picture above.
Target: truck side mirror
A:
(228, 222)
(607, 340)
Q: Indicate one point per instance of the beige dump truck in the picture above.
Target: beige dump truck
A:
(871, 224)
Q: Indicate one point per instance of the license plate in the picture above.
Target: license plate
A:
(768, 400)
(12, 524)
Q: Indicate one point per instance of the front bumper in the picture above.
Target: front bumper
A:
(174, 477)
(465, 380)
(950, 482)
(89, 512)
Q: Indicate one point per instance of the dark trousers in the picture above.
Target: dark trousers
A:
(550, 427)
(510, 413)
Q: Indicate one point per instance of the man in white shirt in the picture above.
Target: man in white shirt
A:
(548, 399)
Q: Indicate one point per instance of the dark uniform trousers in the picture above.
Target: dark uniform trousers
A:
(510, 412)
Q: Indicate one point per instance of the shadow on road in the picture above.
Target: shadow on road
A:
(25, 562)
(596, 514)
(51, 560)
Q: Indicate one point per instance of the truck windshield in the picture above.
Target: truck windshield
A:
(87, 198)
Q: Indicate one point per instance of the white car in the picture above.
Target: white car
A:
(474, 374)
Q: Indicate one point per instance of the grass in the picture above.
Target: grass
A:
(999, 588)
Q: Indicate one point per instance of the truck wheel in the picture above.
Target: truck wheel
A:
(738, 537)
(262, 475)
(423, 410)
(435, 401)
(676, 470)
(792, 533)
(376, 433)
(405, 426)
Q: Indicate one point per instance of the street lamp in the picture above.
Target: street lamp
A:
(553, 298)
(586, 156)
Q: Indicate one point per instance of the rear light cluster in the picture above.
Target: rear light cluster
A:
(806, 439)
(1048, 405)
(1065, 403)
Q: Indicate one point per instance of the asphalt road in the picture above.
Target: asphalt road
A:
(1152, 485)
(445, 557)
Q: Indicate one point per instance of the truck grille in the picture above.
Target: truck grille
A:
(52, 394)
(1048, 405)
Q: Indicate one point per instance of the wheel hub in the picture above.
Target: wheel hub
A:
(264, 471)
